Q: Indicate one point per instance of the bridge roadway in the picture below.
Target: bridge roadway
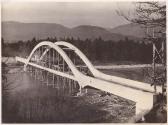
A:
(141, 93)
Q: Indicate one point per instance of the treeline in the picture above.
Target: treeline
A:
(95, 50)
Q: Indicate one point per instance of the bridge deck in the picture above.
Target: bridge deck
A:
(142, 97)
(139, 92)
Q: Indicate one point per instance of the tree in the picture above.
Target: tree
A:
(2, 40)
(3, 46)
(152, 15)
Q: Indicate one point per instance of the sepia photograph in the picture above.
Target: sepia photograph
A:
(83, 61)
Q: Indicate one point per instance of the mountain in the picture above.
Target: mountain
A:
(92, 32)
(132, 29)
(14, 31)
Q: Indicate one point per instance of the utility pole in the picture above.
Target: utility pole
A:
(158, 40)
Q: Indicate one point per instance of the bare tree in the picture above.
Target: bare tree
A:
(152, 16)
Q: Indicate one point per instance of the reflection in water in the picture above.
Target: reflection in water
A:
(62, 85)
(41, 97)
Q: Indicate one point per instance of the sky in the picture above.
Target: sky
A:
(69, 14)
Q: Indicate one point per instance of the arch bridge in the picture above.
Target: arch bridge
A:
(56, 59)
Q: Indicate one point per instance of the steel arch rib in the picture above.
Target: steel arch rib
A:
(98, 74)
(79, 53)
(60, 51)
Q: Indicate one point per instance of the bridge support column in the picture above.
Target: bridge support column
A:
(80, 89)
(25, 68)
(36, 70)
(37, 73)
(53, 78)
(47, 79)
(69, 86)
(57, 83)
(86, 90)
(31, 71)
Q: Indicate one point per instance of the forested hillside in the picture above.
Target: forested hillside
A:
(96, 50)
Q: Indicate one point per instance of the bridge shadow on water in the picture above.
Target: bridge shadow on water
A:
(34, 102)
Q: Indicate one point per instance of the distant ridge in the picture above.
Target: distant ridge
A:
(132, 29)
(14, 31)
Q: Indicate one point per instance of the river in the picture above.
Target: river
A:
(33, 101)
